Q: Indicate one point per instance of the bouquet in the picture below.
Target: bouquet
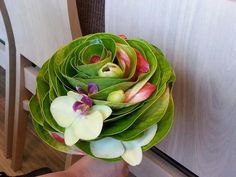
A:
(106, 96)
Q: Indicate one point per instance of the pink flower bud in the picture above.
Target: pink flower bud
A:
(142, 65)
(123, 36)
(95, 59)
(57, 136)
(143, 94)
(123, 59)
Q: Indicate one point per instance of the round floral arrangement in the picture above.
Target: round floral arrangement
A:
(106, 96)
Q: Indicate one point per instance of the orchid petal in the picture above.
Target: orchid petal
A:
(147, 136)
(77, 106)
(107, 148)
(62, 110)
(77, 96)
(92, 88)
(103, 109)
(88, 127)
(144, 93)
(133, 153)
(87, 100)
(70, 137)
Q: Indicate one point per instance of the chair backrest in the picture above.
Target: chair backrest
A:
(42, 26)
(4, 55)
(199, 37)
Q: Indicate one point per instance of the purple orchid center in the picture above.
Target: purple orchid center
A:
(92, 88)
(87, 100)
(84, 105)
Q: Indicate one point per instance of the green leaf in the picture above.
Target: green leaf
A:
(92, 69)
(112, 128)
(114, 106)
(125, 110)
(103, 94)
(45, 136)
(35, 110)
(128, 111)
(92, 50)
(48, 116)
(42, 85)
(150, 117)
(54, 81)
(99, 36)
(164, 126)
(52, 94)
(47, 127)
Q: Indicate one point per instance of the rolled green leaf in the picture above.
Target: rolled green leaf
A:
(104, 91)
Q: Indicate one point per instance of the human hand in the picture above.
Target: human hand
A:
(90, 167)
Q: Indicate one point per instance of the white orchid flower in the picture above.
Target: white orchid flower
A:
(79, 117)
(129, 151)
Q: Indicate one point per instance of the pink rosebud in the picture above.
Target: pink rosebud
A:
(95, 59)
(123, 59)
(123, 36)
(143, 94)
(57, 136)
(142, 65)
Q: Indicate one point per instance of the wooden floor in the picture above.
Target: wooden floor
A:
(36, 154)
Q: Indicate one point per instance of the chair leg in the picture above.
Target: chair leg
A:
(20, 119)
(9, 112)
(10, 84)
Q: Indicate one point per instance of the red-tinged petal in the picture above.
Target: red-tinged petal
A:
(123, 36)
(142, 65)
(143, 94)
(123, 59)
(95, 59)
(57, 136)
(129, 94)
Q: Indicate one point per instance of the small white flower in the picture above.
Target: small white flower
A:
(79, 117)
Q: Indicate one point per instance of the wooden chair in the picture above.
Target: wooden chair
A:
(40, 27)
(8, 62)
